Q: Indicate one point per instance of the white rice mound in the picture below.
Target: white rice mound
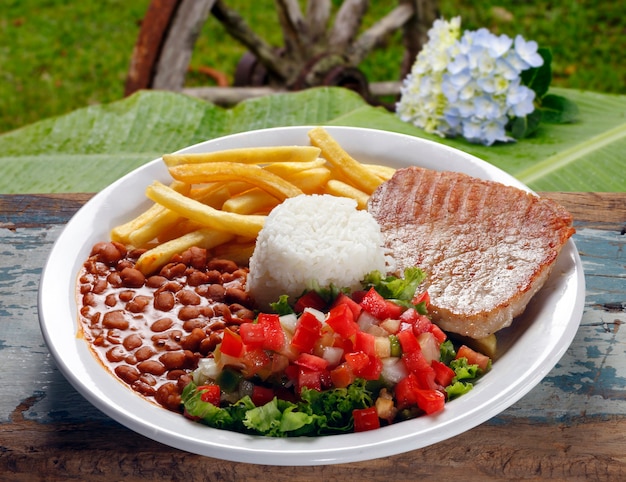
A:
(310, 238)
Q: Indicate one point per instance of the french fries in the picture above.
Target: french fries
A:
(220, 200)
(358, 175)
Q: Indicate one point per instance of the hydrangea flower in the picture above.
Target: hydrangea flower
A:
(468, 85)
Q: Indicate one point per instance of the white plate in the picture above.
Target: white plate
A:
(530, 349)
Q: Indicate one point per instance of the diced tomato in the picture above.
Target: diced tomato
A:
(365, 419)
(252, 335)
(279, 362)
(231, 344)
(274, 336)
(342, 375)
(439, 333)
(341, 320)
(421, 324)
(378, 306)
(366, 343)
(257, 362)
(311, 379)
(473, 357)
(357, 361)
(408, 342)
(415, 361)
(372, 370)
(430, 401)
(308, 331)
(443, 373)
(422, 297)
(210, 394)
(311, 299)
(353, 305)
(406, 391)
(426, 379)
(312, 362)
(262, 395)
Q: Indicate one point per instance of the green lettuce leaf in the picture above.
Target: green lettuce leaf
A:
(86, 150)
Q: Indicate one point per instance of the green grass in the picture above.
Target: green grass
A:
(56, 56)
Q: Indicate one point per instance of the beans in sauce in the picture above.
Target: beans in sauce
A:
(151, 331)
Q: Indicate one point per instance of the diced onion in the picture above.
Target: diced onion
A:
(394, 370)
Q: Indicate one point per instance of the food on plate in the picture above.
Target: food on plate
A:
(487, 248)
(341, 362)
(315, 240)
(150, 331)
(232, 191)
(290, 291)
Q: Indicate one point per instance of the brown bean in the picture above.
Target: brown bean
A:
(195, 256)
(100, 286)
(132, 278)
(115, 319)
(109, 253)
(151, 366)
(115, 354)
(138, 303)
(126, 295)
(236, 295)
(192, 341)
(129, 374)
(241, 312)
(164, 301)
(188, 313)
(197, 278)
(173, 270)
(132, 341)
(89, 299)
(188, 297)
(216, 292)
(115, 279)
(143, 388)
(208, 344)
(222, 265)
(114, 337)
(173, 359)
(144, 353)
(171, 286)
(155, 281)
(110, 300)
(214, 276)
(168, 395)
(161, 324)
(189, 325)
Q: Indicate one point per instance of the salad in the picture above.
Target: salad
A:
(334, 362)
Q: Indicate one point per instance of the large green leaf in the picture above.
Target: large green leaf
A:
(91, 147)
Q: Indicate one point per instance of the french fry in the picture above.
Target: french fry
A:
(250, 202)
(286, 169)
(240, 253)
(341, 189)
(164, 220)
(384, 172)
(247, 155)
(311, 181)
(157, 257)
(354, 171)
(246, 225)
(122, 232)
(231, 171)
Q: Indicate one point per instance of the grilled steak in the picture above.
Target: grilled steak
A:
(487, 247)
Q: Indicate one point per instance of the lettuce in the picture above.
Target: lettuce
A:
(317, 413)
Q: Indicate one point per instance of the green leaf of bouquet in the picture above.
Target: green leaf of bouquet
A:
(557, 109)
(522, 127)
(539, 78)
(86, 150)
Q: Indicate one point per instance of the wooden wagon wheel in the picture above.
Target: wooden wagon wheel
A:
(316, 51)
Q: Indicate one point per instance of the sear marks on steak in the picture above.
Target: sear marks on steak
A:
(487, 248)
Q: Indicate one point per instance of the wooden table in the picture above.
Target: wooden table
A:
(572, 426)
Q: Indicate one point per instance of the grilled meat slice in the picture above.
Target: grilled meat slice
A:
(487, 247)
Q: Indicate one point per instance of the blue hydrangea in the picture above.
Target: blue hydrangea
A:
(468, 85)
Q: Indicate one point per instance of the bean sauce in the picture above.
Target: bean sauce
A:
(150, 331)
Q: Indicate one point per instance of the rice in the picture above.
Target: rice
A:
(314, 238)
